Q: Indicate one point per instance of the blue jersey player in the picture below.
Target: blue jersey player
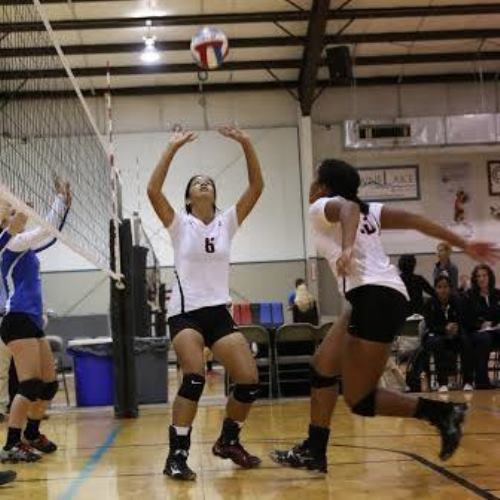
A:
(22, 332)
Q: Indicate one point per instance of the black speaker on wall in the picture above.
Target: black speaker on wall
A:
(339, 64)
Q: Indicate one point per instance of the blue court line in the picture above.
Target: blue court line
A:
(89, 466)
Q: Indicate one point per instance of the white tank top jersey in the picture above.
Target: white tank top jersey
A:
(371, 265)
(201, 260)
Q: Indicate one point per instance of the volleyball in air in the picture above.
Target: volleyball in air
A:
(209, 47)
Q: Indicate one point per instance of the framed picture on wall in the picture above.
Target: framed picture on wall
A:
(395, 183)
(494, 177)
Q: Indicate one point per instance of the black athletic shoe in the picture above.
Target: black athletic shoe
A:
(176, 467)
(21, 452)
(236, 453)
(7, 476)
(42, 443)
(450, 428)
(300, 456)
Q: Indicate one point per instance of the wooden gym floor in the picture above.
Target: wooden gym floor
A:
(381, 458)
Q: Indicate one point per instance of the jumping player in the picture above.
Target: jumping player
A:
(347, 232)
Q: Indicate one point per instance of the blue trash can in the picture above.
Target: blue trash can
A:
(93, 369)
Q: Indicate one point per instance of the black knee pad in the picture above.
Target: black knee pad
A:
(49, 390)
(366, 406)
(192, 386)
(31, 389)
(246, 393)
(320, 381)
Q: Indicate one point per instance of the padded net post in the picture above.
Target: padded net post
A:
(122, 326)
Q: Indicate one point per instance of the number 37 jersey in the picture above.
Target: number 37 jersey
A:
(371, 265)
(201, 259)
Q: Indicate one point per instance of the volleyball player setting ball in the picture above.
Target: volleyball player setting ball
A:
(347, 233)
(198, 309)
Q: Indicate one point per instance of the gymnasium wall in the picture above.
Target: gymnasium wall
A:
(137, 118)
(81, 293)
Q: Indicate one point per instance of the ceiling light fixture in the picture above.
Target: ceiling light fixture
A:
(149, 54)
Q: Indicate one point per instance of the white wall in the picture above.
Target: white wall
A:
(273, 231)
(328, 143)
(134, 116)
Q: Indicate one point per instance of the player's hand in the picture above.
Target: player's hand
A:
(68, 197)
(63, 189)
(344, 262)
(5, 211)
(234, 133)
(58, 185)
(483, 251)
(181, 137)
(17, 223)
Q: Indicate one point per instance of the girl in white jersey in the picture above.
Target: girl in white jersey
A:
(198, 308)
(347, 232)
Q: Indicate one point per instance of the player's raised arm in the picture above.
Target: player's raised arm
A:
(161, 205)
(255, 181)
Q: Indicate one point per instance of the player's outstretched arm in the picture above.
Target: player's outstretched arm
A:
(394, 218)
(255, 181)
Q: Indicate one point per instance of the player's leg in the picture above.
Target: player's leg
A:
(38, 408)
(378, 315)
(188, 345)
(234, 353)
(325, 375)
(27, 360)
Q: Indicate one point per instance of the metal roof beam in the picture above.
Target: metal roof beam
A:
(145, 69)
(238, 43)
(252, 65)
(256, 17)
(253, 86)
(311, 58)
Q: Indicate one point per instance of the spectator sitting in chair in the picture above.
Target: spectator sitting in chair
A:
(291, 295)
(415, 284)
(304, 307)
(445, 336)
(483, 320)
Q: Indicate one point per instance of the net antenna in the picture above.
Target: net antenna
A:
(47, 131)
(115, 179)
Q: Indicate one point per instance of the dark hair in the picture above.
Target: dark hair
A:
(341, 179)
(298, 282)
(407, 263)
(491, 279)
(442, 277)
(188, 187)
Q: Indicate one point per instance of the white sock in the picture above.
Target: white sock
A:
(181, 431)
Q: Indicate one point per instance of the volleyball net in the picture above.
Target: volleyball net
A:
(47, 131)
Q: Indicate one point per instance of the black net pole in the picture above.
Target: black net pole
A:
(122, 327)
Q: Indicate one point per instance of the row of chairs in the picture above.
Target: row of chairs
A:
(283, 358)
(268, 314)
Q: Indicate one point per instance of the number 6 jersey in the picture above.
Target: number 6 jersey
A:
(201, 260)
(371, 265)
